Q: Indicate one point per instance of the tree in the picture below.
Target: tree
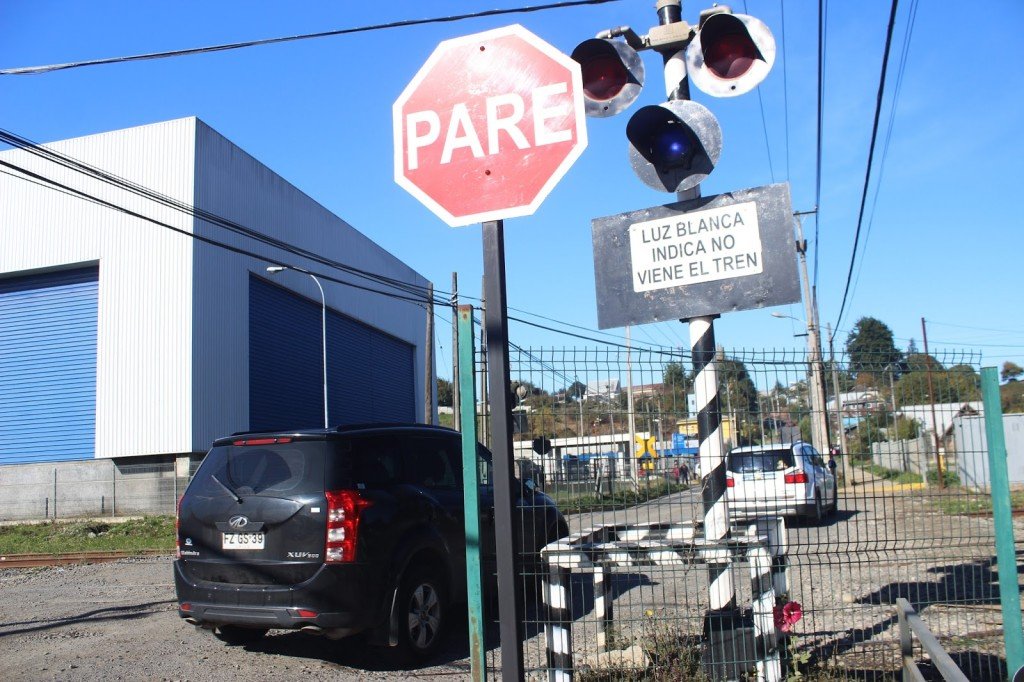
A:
(871, 349)
(675, 386)
(444, 392)
(737, 397)
(958, 384)
(575, 391)
(1011, 371)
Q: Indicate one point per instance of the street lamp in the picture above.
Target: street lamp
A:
(273, 270)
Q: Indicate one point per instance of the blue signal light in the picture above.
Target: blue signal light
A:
(672, 146)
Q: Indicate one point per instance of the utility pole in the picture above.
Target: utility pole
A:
(819, 424)
(844, 455)
(931, 400)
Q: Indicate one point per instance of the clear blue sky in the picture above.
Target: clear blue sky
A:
(941, 237)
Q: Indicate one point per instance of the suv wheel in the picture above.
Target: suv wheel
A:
(423, 610)
(236, 636)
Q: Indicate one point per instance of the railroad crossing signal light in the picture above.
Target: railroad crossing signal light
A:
(613, 75)
(730, 53)
(675, 145)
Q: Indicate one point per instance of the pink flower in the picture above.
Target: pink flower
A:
(787, 615)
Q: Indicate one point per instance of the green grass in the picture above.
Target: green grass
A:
(891, 474)
(624, 496)
(976, 504)
(151, 532)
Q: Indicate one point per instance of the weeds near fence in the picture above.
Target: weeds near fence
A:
(576, 502)
(977, 504)
(672, 655)
(901, 477)
(150, 532)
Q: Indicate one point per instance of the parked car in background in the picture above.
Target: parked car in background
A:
(337, 532)
(790, 480)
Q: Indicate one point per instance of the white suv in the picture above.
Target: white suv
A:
(789, 479)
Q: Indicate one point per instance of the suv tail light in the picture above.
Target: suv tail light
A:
(730, 482)
(177, 528)
(796, 477)
(344, 509)
(262, 441)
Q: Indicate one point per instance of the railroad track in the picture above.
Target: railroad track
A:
(63, 559)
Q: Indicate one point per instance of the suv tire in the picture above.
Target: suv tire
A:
(237, 636)
(422, 612)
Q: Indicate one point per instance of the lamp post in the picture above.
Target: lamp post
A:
(273, 270)
(819, 425)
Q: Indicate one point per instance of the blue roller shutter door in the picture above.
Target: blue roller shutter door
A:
(48, 327)
(370, 374)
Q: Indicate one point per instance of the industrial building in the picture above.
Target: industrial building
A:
(138, 320)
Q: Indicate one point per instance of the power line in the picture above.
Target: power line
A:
(111, 179)
(415, 294)
(35, 70)
(785, 88)
(819, 134)
(71, 191)
(897, 90)
(871, 156)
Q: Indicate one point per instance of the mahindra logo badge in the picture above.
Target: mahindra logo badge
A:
(238, 521)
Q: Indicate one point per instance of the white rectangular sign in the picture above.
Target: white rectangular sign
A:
(702, 246)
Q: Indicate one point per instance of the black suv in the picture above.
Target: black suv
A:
(339, 531)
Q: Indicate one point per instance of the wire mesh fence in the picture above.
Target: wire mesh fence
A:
(891, 502)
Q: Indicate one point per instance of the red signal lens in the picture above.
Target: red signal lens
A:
(603, 76)
(185, 606)
(730, 482)
(729, 55)
(306, 613)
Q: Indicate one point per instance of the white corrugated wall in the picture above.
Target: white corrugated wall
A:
(143, 382)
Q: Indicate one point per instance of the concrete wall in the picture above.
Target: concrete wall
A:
(972, 450)
(90, 489)
(911, 455)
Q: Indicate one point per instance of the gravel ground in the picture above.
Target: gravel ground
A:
(118, 621)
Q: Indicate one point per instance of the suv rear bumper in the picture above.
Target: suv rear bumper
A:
(346, 599)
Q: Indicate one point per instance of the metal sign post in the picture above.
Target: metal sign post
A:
(505, 527)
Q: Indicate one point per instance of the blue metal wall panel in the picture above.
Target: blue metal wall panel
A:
(48, 366)
(285, 370)
(370, 374)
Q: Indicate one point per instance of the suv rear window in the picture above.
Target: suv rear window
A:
(263, 470)
(761, 460)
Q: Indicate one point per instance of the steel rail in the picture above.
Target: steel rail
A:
(66, 558)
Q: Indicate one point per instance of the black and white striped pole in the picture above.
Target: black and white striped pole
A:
(700, 139)
(721, 593)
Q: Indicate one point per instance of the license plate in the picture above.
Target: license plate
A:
(244, 540)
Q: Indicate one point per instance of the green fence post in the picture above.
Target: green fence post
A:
(471, 495)
(1006, 556)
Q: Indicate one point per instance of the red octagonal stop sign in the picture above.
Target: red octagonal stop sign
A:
(489, 125)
